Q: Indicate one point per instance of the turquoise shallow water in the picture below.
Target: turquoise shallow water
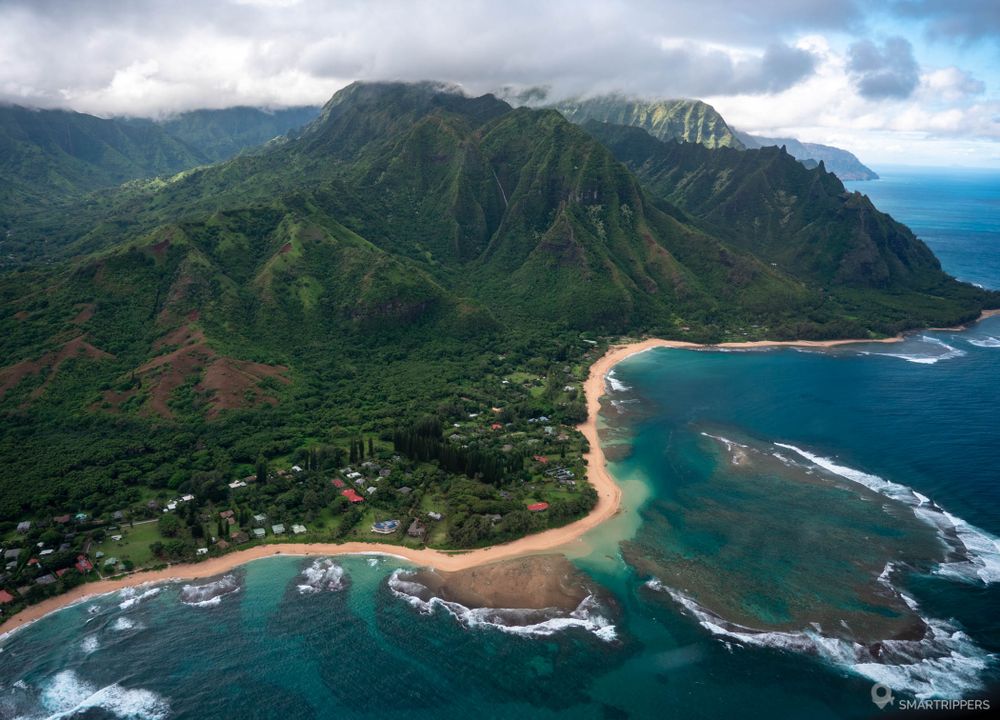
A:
(795, 540)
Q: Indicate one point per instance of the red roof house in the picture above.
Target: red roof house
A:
(538, 507)
(5, 597)
(61, 571)
(496, 426)
(542, 459)
(352, 496)
(337, 482)
(83, 564)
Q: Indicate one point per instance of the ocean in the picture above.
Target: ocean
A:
(798, 525)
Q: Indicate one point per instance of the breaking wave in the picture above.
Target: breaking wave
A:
(944, 663)
(614, 384)
(132, 596)
(124, 624)
(924, 358)
(90, 644)
(986, 342)
(322, 574)
(979, 550)
(66, 695)
(210, 593)
(527, 622)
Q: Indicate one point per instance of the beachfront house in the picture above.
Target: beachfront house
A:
(259, 533)
(259, 519)
(298, 529)
(385, 527)
(278, 529)
(416, 530)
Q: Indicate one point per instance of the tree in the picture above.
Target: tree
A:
(371, 447)
(169, 525)
(261, 472)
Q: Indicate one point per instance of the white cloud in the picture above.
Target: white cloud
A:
(812, 67)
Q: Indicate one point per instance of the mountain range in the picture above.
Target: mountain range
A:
(389, 258)
(694, 121)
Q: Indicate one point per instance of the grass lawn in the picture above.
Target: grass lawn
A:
(133, 546)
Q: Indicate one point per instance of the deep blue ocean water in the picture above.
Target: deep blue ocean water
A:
(786, 513)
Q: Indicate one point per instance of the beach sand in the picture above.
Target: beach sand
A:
(608, 504)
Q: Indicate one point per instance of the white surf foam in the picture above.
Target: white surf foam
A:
(614, 384)
(132, 596)
(66, 696)
(124, 624)
(322, 574)
(923, 358)
(90, 644)
(211, 593)
(515, 621)
(986, 342)
(945, 663)
(980, 549)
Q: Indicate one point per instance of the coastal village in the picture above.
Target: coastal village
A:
(363, 490)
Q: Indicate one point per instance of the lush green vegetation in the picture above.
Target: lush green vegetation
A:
(417, 281)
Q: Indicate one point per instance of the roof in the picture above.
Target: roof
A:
(538, 507)
(337, 482)
(351, 495)
(5, 597)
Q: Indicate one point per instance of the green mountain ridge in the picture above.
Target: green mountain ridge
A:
(684, 120)
(413, 253)
(841, 163)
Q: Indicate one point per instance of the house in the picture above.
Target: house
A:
(298, 529)
(83, 565)
(384, 472)
(226, 514)
(496, 426)
(116, 538)
(385, 527)
(81, 517)
(278, 529)
(24, 526)
(239, 538)
(237, 484)
(538, 507)
(434, 515)
(405, 490)
(259, 533)
(222, 545)
(49, 551)
(354, 475)
(495, 518)
(12, 554)
(352, 496)
(170, 506)
(296, 468)
(61, 519)
(153, 505)
(117, 516)
(62, 571)
(541, 459)
(202, 551)
(187, 498)
(371, 489)
(110, 562)
(416, 530)
(5, 597)
(259, 519)
(46, 579)
(338, 483)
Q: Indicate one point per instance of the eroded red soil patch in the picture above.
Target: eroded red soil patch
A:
(86, 312)
(225, 382)
(12, 375)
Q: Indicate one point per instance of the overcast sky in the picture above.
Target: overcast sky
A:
(911, 81)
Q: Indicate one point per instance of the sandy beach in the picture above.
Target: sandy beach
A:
(608, 503)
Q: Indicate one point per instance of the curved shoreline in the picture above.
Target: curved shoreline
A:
(609, 496)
